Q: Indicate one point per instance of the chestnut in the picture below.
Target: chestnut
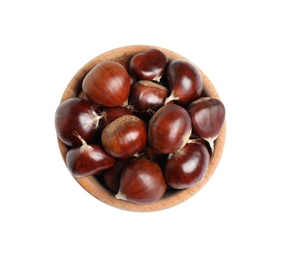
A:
(87, 159)
(187, 166)
(107, 84)
(207, 118)
(185, 82)
(75, 115)
(149, 65)
(125, 136)
(146, 97)
(142, 182)
(169, 129)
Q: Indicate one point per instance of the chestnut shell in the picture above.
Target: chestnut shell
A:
(97, 188)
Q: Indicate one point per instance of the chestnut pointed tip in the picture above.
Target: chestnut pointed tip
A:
(211, 141)
(171, 98)
(120, 196)
(157, 78)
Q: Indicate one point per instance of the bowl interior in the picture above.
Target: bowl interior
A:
(95, 185)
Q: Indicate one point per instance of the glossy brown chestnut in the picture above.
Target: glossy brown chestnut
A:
(169, 129)
(150, 65)
(207, 117)
(125, 136)
(142, 182)
(187, 166)
(88, 160)
(107, 84)
(185, 82)
(75, 115)
(146, 97)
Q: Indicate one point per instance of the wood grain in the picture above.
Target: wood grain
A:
(96, 188)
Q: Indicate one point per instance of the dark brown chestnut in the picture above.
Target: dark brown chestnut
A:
(146, 97)
(169, 129)
(142, 182)
(107, 84)
(207, 118)
(75, 115)
(185, 82)
(187, 166)
(87, 159)
(150, 65)
(125, 136)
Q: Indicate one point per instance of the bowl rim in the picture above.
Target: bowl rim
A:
(91, 184)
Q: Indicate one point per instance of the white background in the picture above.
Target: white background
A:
(244, 211)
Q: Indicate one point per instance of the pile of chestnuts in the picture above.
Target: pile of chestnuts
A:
(143, 127)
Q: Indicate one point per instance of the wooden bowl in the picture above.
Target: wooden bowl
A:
(95, 187)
